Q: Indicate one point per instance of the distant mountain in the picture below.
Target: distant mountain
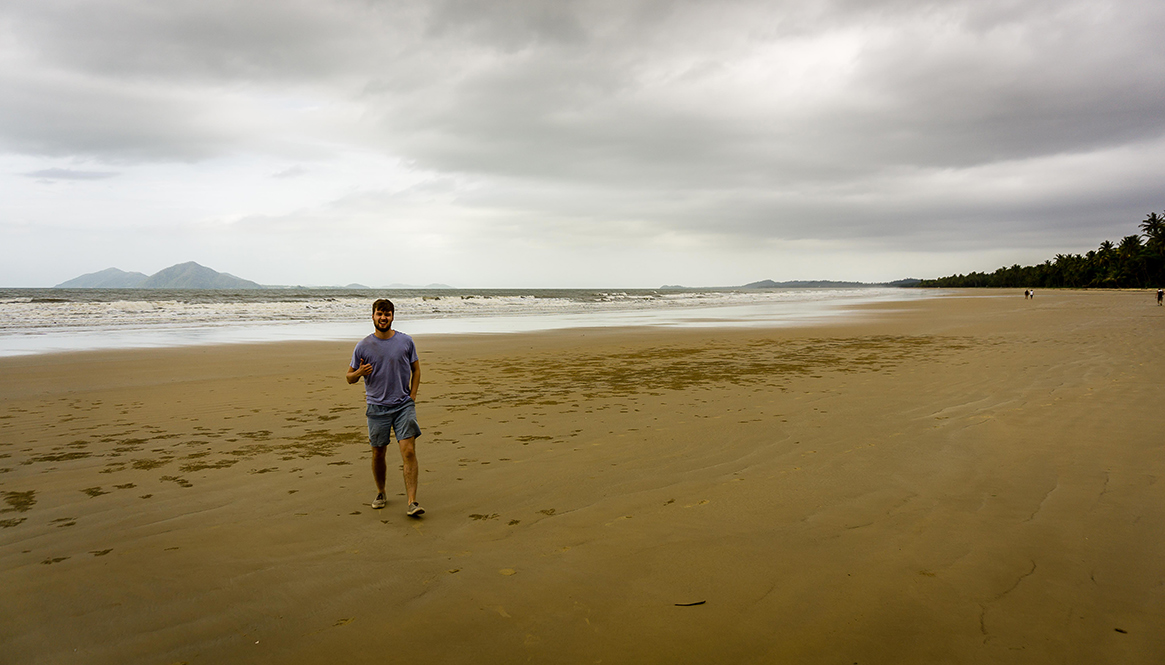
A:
(414, 286)
(110, 278)
(188, 275)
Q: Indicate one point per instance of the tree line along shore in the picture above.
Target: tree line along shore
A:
(1137, 261)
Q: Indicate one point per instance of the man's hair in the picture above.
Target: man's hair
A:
(383, 305)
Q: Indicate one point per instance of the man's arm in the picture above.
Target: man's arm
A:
(354, 373)
(415, 382)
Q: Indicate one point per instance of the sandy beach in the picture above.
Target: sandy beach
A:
(976, 478)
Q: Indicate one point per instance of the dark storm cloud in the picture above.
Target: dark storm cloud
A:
(618, 103)
(985, 92)
(64, 115)
(779, 119)
(535, 83)
(212, 41)
(1008, 84)
(930, 87)
(139, 81)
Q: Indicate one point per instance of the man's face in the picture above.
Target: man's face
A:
(382, 319)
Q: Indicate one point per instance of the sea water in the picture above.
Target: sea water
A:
(50, 320)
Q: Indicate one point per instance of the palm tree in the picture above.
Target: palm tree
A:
(1154, 228)
(1135, 261)
(1132, 261)
(1130, 246)
(1105, 257)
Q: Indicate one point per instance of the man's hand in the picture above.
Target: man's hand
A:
(355, 374)
(415, 381)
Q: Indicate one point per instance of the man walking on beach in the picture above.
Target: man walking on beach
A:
(387, 360)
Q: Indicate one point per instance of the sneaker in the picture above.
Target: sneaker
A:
(415, 510)
(379, 501)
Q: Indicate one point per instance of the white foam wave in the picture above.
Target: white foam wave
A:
(38, 324)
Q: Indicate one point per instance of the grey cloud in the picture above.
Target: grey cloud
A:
(1054, 80)
(573, 89)
(70, 174)
(930, 105)
(610, 110)
(192, 41)
(117, 120)
(134, 81)
(509, 25)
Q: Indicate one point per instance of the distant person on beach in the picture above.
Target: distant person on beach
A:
(387, 359)
(1026, 294)
(1160, 296)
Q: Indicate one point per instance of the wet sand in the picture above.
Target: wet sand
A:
(975, 478)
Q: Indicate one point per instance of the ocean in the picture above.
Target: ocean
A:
(38, 321)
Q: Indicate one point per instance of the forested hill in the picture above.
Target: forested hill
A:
(1137, 261)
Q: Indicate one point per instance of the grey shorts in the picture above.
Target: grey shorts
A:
(383, 420)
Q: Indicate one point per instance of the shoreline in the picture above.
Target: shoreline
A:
(955, 479)
(516, 315)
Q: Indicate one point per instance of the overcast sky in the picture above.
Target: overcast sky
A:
(609, 143)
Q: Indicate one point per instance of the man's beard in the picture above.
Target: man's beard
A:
(379, 329)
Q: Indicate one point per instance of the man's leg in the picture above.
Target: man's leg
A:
(379, 467)
(408, 457)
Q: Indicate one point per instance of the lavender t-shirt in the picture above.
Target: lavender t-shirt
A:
(392, 367)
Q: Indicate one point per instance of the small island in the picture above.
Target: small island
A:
(189, 275)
